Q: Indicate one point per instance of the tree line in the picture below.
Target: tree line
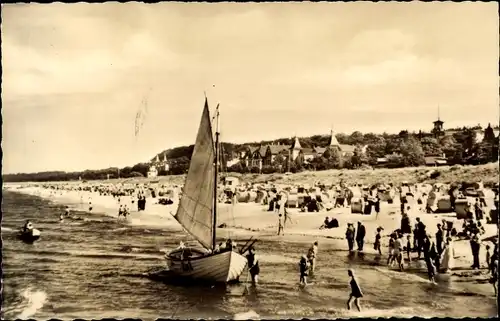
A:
(401, 150)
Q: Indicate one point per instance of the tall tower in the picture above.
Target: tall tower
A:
(333, 139)
(296, 148)
(438, 126)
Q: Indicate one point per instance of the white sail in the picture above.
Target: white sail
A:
(195, 211)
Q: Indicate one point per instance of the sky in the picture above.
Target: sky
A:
(75, 75)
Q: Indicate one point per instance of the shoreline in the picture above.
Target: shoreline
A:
(245, 220)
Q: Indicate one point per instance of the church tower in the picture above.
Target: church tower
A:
(438, 126)
(333, 140)
(296, 148)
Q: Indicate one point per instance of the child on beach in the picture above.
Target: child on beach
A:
(356, 293)
(397, 247)
(280, 225)
(431, 270)
(494, 274)
(376, 245)
(390, 258)
(304, 270)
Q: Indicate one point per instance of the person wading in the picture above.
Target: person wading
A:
(377, 244)
(475, 247)
(360, 236)
(311, 257)
(349, 235)
(304, 270)
(253, 265)
(439, 239)
(431, 269)
(397, 254)
(356, 293)
(28, 226)
(391, 257)
(408, 247)
(421, 235)
(280, 225)
(494, 274)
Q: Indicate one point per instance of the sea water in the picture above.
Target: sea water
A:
(98, 267)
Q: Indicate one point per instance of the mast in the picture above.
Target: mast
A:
(216, 174)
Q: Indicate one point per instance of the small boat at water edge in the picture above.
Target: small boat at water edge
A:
(29, 236)
(221, 267)
(197, 213)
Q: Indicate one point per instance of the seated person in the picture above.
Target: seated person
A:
(333, 223)
(28, 226)
(326, 223)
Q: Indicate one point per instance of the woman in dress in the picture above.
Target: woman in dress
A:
(356, 293)
(447, 260)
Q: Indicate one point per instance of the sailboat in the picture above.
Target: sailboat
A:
(197, 213)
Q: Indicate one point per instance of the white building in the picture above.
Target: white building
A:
(153, 171)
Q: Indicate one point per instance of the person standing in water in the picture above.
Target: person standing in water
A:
(253, 265)
(377, 244)
(28, 226)
(408, 247)
(397, 254)
(350, 235)
(475, 248)
(356, 293)
(280, 225)
(391, 257)
(494, 274)
(311, 256)
(439, 239)
(360, 236)
(304, 270)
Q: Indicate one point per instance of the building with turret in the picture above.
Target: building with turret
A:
(156, 165)
(266, 155)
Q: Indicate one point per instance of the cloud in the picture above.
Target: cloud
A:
(278, 69)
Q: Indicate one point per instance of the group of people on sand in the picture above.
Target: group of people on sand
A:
(438, 250)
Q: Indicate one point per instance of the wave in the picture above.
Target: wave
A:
(7, 229)
(97, 254)
(249, 315)
(402, 312)
(32, 302)
(416, 276)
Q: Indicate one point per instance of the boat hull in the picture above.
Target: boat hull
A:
(30, 236)
(223, 267)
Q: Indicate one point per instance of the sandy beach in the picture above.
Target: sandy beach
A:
(243, 220)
